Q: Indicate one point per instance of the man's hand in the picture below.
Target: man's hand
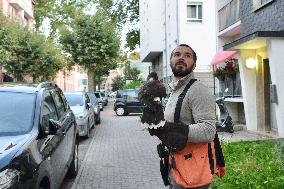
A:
(154, 115)
(173, 135)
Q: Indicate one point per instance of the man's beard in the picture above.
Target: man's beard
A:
(179, 72)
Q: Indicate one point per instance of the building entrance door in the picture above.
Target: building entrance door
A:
(270, 121)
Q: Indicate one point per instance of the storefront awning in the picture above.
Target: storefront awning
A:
(221, 56)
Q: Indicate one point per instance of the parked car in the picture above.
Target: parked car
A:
(84, 112)
(113, 94)
(38, 136)
(96, 107)
(127, 102)
(105, 98)
(100, 100)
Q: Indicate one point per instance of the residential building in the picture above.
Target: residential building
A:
(228, 30)
(112, 74)
(22, 10)
(166, 23)
(257, 37)
(73, 80)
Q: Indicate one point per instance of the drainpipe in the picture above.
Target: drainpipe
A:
(166, 43)
(177, 15)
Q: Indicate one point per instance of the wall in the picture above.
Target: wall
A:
(151, 26)
(268, 18)
(248, 80)
(201, 36)
(276, 57)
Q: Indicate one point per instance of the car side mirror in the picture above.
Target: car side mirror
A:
(88, 105)
(52, 127)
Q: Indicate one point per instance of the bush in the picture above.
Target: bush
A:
(258, 164)
(132, 85)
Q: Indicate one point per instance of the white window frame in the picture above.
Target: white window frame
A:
(196, 19)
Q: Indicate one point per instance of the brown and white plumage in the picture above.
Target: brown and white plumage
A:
(150, 94)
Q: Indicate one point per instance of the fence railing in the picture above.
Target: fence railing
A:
(229, 14)
(233, 84)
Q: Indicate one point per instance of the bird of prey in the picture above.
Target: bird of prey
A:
(151, 94)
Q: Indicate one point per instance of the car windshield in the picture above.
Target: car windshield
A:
(74, 99)
(103, 94)
(92, 98)
(16, 113)
(130, 95)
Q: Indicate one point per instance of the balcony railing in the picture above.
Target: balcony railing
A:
(233, 84)
(229, 14)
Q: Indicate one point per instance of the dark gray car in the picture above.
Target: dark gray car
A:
(38, 137)
(127, 102)
(96, 106)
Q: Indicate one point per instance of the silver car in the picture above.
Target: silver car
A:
(83, 110)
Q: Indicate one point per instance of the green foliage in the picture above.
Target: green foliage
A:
(92, 43)
(131, 73)
(117, 83)
(132, 85)
(58, 12)
(251, 165)
(24, 52)
(133, 39)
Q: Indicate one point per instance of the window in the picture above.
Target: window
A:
(48, 110)
(257, 4)
(59, 103)
(82, 82)
(263, 1)
(131, 95)
(16, 113)
(194, 12)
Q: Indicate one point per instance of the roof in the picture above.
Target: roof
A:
(18, 87)
(256, 37)
(25, 87)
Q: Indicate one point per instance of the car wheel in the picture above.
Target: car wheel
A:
(88, 130)
(99, 119)
(73, 169)
(120, 111)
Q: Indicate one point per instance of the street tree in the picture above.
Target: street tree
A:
(93, 43)
(131, 73)
(24, 52)
(117, 83)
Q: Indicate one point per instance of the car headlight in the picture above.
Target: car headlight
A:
(79, 116)
(8, 178)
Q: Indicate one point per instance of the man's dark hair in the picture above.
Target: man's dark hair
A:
(152, 75)
(185, 45)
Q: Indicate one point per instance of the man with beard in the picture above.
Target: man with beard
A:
(191, 163)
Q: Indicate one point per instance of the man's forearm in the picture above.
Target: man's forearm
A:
(202, 132)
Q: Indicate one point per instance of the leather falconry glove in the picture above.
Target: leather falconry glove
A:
(173, 135)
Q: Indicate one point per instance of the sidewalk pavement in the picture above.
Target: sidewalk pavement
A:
(244, 135)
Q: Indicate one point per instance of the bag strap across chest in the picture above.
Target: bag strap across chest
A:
(180, 99)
